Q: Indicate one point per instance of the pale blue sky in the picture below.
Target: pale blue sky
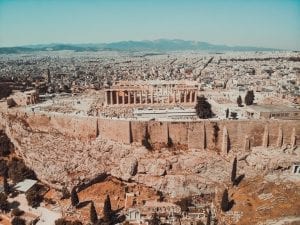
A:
(262, 23)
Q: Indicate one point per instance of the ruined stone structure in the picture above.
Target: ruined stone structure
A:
(23, 98)
(151, 93)
(273, 111)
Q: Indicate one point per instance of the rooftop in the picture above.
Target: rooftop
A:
(25, 185)
(159, 204)
(157, 82)
(273, 108)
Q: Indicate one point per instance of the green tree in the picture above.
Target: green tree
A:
(74, 197)
(203, 108)
(5, 144)
(5, 90)
(62, 221)
(3, 168)
(93, 214)
(227, 113)
(34, 198)
(249, 98)
(4, 205)
(18, 221)
(225, 204)
(6, 186)
(233, 171)
(17, 212)
(233, 115)
(107, 209)
(185, 203)
(239, 101)
(155, 220)
(18, 171)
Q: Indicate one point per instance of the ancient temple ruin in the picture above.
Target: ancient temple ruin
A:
(152, 93)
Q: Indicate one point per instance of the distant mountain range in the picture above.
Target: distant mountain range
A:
(161, 45)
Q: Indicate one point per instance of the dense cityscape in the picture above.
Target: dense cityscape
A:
(150, 112)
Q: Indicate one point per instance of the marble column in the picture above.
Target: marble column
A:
(152, 97)
(174, 96)
(134, 97)
(180, 94)
(111, 98)
(191, 96)
(123, 98)
(117, 96)
(129, 97)
(106, 97)
(141, 95)
(195, 96)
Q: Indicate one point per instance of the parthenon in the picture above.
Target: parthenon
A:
(151, 92)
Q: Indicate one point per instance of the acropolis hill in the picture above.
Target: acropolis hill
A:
(56, 119)
(149, 130)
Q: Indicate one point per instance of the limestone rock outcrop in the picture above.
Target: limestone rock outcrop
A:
(271, 159)
(127, 168)
(59, 160)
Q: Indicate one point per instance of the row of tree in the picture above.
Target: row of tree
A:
(204, 111)
(249, 99)
(6, 147)
(108, 214)
(203, 108)
(16, 170)
(226, 203)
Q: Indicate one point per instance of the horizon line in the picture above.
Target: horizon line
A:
(142, 40)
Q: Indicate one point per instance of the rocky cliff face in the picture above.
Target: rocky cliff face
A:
(61, 161)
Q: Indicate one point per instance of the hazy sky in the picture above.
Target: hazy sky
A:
(263, 23)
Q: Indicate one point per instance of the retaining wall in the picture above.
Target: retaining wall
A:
(198, 134)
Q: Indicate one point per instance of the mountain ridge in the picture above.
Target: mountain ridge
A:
(161, 45)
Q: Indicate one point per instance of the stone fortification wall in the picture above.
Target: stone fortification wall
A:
(178, 132)
(221, 135)
(204, 134)
(138, 130)
(72, 126)
(258, 132)
(158, 131)
(197, 135)
(116, 130)
(215, 134)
